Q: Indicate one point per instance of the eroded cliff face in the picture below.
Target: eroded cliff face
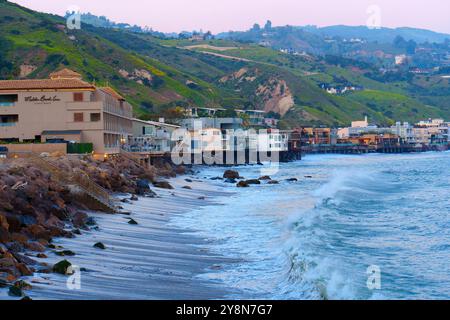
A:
(276, 96)
(270, 93)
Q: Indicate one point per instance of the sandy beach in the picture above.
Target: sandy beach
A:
(150, 260)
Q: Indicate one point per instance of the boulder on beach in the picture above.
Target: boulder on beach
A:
(100, 245)
(243, 184)
(80, 219)
(23, 285)
(91, 222)
(265, 178)
(62, 267)
(65, 253)
(132, 221)
(163, 185)
(229, 180)
(143, 188)
(187, 187)
(292, 180)
(273, 182)
(231, 174)
(15, 291)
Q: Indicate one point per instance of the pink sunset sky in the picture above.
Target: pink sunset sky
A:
(225, 15)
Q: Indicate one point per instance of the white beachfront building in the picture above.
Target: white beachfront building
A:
(404, 131)
(152, 136)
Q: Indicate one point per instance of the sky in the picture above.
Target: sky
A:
(224, 15)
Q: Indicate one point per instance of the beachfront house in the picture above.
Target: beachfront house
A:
(432, 132)
(152, 137)
(64, 108)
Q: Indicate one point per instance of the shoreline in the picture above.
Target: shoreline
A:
(160, 258)
(149, 261)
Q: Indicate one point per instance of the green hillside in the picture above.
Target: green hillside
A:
(395, 106)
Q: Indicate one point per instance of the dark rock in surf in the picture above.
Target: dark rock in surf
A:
(253, 181)
(132, 222)
(243, 184)
(100, 245)
(231, 174)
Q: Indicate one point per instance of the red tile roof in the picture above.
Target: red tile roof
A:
(65, 74)
(44, 84)
(112, 93)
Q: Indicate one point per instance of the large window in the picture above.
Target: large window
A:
(8, 100)
(78, 117)
(96, 117)
(78, 97)
(9, 120)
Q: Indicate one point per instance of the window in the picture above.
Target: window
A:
(78, 97)
(9, 120)
(8, 100)
(78, 117)
(95, 117)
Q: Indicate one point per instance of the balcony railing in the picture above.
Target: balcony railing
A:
(8, 124)
(7, 104)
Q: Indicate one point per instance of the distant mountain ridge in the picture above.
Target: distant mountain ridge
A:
(382, 35)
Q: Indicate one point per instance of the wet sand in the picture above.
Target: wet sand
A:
(151, 260)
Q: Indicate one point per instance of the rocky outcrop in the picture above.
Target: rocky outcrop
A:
(35, 208)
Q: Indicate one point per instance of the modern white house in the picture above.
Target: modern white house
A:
(152, 137)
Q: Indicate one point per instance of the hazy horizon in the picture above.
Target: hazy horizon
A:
(222, 16)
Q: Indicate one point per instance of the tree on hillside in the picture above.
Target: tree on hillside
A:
(268, 25)
(400, 42)
(411, 47)
(256, 27)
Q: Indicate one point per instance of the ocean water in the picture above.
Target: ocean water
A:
(316, 238)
